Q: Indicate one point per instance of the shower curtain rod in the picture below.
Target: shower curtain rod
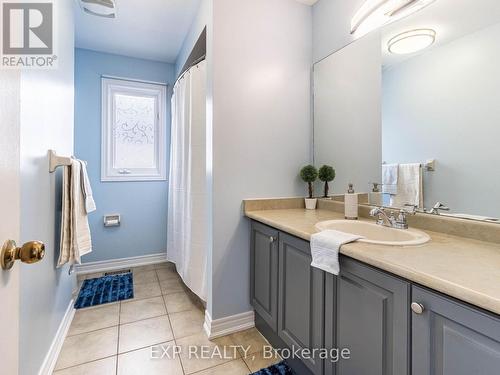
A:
(194, 63)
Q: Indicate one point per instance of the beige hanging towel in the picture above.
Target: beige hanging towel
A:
(75, 231)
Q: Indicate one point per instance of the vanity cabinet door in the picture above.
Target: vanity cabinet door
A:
(451, 338)
(301, 299)
(372, 315)
(264, 273)
(330, 320)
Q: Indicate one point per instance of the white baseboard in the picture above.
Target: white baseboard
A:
(114, 264)
(228, 325)
(49, 363)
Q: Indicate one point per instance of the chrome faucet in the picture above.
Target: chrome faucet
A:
(438, 207)
(382, 217)
(390, 220)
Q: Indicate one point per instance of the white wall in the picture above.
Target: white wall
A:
(261, 126)
(46, 123)
(332, 25)
(443, 105)
(347, 114)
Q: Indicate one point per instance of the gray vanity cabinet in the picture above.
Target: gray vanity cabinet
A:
(264, 273)
(301, 299)
(451, 338)
(366, 311)
(371, 312)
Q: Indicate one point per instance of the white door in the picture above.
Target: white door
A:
(10, 216)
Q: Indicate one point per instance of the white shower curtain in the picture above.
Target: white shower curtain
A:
(186, 234)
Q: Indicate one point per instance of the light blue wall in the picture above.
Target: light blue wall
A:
(142, 205)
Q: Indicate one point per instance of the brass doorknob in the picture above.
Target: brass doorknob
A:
(30, 252)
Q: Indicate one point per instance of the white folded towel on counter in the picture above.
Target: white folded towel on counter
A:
(75, 231)
(390, 174)
(325, 248)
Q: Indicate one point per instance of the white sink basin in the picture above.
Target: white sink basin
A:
(376, 234)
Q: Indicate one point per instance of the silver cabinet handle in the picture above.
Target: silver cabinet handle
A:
(417, 308)
(272, 239)
(125, 171)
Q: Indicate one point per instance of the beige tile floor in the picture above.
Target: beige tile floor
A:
(117, 338)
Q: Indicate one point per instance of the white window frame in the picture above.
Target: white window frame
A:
(110, 87)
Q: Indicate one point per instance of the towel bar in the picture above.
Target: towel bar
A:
(429, 165)
(57, 161)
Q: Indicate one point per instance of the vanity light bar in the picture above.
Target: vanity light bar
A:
(377, 13)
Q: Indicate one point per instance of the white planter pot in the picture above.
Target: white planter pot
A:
(311, 203)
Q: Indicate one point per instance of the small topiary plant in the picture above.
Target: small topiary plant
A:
(326, 174)
(309, 174)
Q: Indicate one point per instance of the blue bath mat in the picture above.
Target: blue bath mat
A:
(277, 369)
(105, 289)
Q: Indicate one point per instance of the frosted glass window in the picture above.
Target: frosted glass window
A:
(133, 131)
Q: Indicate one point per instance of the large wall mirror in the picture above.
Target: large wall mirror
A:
(410, 113)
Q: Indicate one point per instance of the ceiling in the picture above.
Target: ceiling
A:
(451, 19)
(147, 29)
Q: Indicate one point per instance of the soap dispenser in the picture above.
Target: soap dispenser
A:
(351, 204)
(375, 197)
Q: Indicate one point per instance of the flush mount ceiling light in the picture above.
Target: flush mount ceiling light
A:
(100, 8)
(411, 41)
(377, 13)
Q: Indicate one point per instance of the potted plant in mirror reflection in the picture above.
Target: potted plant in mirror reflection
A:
(309, 174)
(326, 174)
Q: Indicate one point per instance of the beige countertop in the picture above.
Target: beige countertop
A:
(463, 268)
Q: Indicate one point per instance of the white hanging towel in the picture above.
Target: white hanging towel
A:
(87, 189)
(75, 230)
(410, 186)
(390, 173)
(325, 248)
